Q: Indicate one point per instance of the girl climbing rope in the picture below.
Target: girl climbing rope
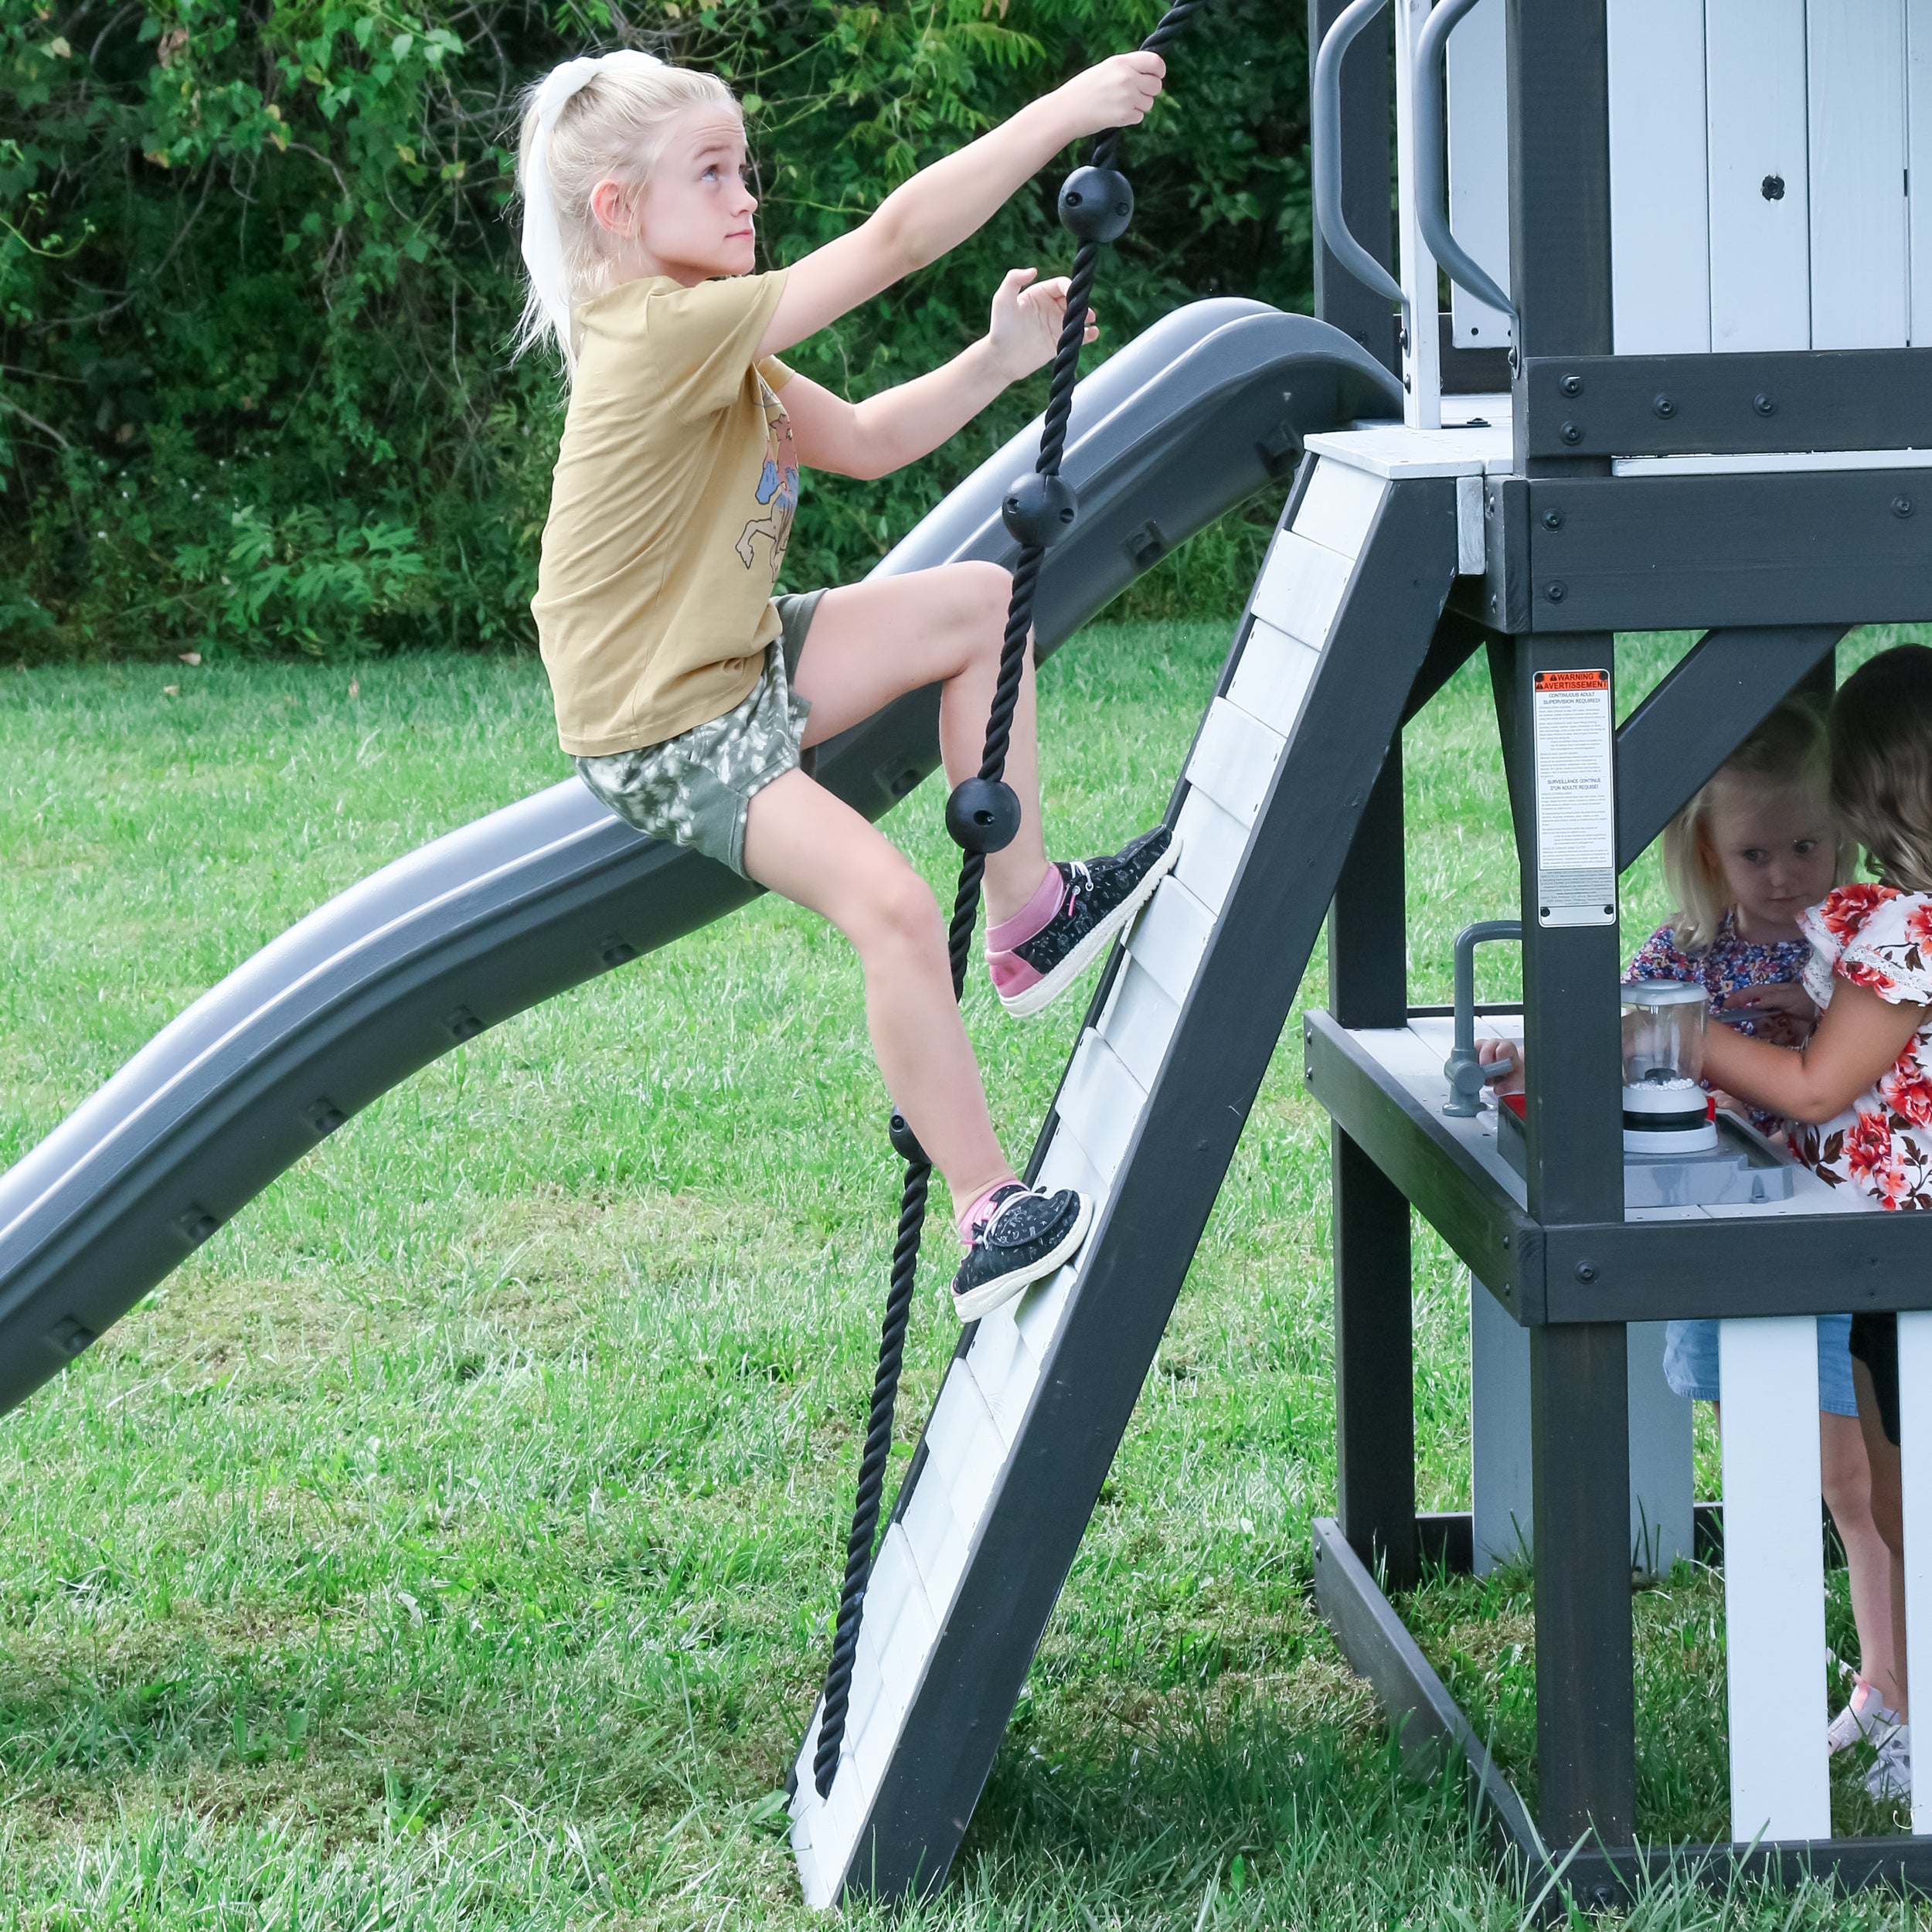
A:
(688, 697)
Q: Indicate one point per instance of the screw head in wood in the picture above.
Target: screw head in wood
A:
(1773, 187)
(1553, 519)
(1586, 1272)
(1901, 506)
(1572, 433)
(1664, 406)
(1557, 592)
(1572, 386)
(1764, 405)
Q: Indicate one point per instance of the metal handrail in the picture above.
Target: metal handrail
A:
(1432, 172)
(1464, 1070)
(1324, 154)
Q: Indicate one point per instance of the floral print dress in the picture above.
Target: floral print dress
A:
(1881, 1146)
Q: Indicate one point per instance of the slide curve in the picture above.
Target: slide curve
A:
(1185, 422)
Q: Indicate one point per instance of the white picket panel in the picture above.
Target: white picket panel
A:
(1006, 1370)
(1855, 112)
(1755, 119)
(1915, 1457)
(1919, 147)
(1774, 1579)
(1479, 168)
(1659, 181)
(1339, 505)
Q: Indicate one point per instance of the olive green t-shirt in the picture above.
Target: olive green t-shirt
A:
(670, 511)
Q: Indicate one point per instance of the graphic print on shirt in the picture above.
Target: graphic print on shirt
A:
(777, 485)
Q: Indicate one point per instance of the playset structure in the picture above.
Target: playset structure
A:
(1684, 383)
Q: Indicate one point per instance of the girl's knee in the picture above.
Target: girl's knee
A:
(983, 592)
(898, 909)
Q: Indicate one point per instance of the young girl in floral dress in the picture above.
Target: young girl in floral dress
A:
(1744, 860)
(1858, 1091)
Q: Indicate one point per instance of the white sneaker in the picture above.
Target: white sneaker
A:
(1864, 1719)
(1889, 1780)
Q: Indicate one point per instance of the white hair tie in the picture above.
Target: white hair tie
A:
(542, 238)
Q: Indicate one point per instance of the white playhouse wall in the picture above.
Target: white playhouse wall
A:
(1761, 157)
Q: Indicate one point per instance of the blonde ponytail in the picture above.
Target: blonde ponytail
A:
(601, 117)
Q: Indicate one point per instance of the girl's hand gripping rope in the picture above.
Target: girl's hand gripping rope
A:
(1025, 329)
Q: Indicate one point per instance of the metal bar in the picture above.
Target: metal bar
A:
(1558, 193)
(1432, 144)
(1755, 402)
(1341, 298)
(1770, 547)
(1586, 1710)
(1712, 701)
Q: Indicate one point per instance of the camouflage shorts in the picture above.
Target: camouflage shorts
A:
(694, 789)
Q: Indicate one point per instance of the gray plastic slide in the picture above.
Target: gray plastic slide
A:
(1186, 421)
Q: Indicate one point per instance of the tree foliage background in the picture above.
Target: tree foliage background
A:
(257, 272)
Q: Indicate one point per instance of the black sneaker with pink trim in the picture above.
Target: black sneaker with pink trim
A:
(1024, 1235)
(1098, 896)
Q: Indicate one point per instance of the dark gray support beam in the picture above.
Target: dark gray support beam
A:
(1585, 1714)
(1712, 700)
(1867, 398)
(1339, 299)
(1559, 194)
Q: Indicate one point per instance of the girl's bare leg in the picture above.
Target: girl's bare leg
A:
(1848, 1495)
(814, 850)
(868, 643)
(1888, 1517)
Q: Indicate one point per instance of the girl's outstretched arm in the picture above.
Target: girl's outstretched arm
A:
(1858, 1038)
(899, 426)
(935, 211)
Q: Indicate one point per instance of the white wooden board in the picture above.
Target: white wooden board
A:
(1855, 110)
(1234, 760)
(1757, 142)
(1659, 183)
(1339, 505)
(1919, 139)
(1915, 1457)
(1300, 586)
(1479, 168)
(1774, 1579)
(1273, 675)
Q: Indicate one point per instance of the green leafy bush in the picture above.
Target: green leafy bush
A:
(258, 274)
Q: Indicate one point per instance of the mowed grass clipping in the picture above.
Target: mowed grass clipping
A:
(453, 1540)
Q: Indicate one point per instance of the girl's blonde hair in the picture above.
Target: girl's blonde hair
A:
(1789, 746)
(1881, 738)
(601, 117)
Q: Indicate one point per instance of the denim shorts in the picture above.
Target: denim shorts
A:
(694, 789)
(1690, 1362)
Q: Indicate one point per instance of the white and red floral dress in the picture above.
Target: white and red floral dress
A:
(1881, 1146)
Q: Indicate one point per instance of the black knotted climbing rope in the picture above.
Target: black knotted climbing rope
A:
(982, 815)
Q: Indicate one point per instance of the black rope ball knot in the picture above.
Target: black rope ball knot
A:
(1096, 204)
(905, 1142)
(983, 814)
(1040, 510)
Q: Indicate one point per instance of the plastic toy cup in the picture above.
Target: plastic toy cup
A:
(1665, 1108)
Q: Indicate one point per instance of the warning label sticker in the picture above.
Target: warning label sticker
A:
(1576, 799)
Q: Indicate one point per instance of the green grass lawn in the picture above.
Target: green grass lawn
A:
(453, 1540)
